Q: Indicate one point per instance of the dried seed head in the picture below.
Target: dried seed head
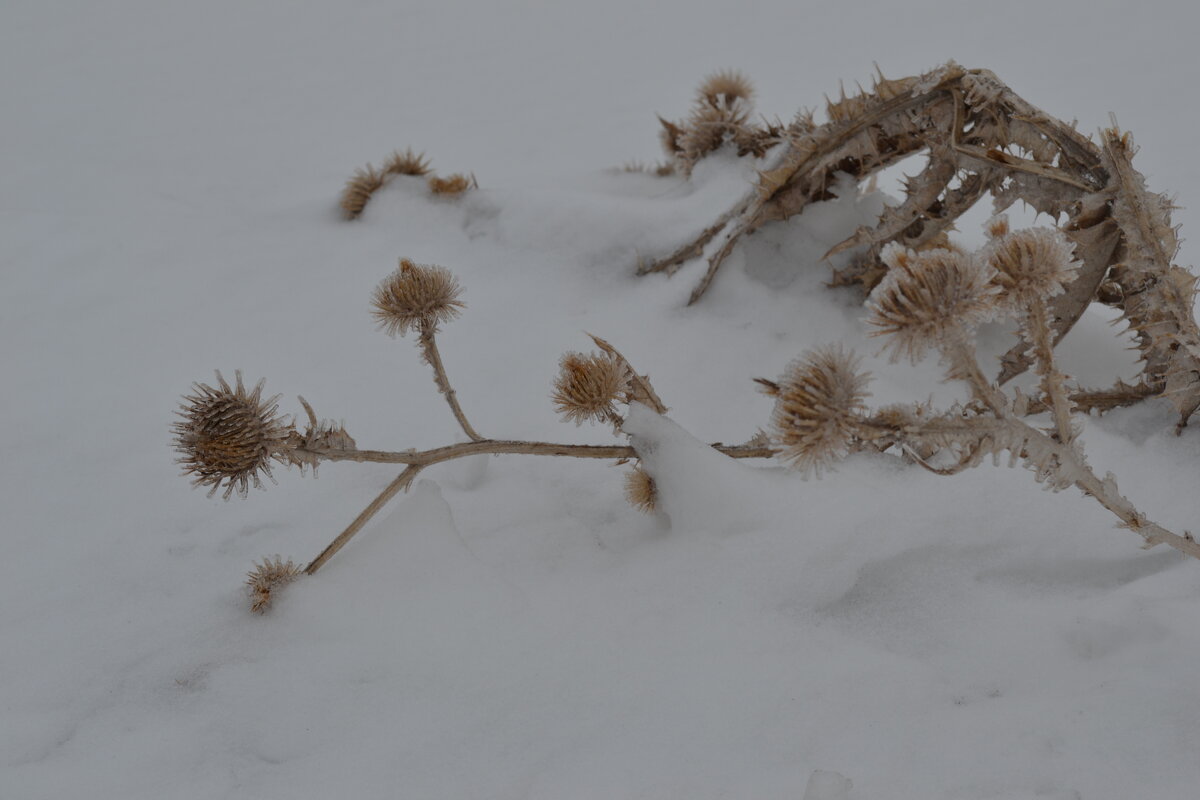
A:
(723, 89)
(416, 295)
(1030, 263)
(929, 297)
(358, 190)
(640, 490)
(588, 386)
(267, 576)
(818, 404)
(406, 163)
(230, 435)
(452, 184)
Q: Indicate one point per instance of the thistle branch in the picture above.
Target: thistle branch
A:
(437, 455)
(1059, 463)
(401, 483)
(1053, 382)
(959, 351)
(419, 460)
(429, 351)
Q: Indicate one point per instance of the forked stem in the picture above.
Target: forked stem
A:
(964, 364)
(418, 460)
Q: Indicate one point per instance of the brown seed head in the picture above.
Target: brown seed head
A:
(640, 490)
(588, 386)
(228, 435)
(452, 184)
(928, 297)
(414, 296)
(1030, 263)
(406, 163)
(818, 403)
(723, 89)
(358, 190)
(267, 576)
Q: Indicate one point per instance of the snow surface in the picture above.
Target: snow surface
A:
(511, 628)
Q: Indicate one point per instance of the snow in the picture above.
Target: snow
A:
(511, 628)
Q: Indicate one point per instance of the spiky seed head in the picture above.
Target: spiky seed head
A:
(267, 576)
(640, 490)
(229, 436)
(1029, 263)
(358, 190)
(588, 386)
(451, 184)
(723, 89)
(406, 163)
(929, 298)
(819, 403)
(416, 296)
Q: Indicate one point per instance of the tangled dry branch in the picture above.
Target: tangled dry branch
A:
(981, 139)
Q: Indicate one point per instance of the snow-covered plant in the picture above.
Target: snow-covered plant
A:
(369, 179)
(228, 437)
(720, 113)
(934, 300)
(980, 139)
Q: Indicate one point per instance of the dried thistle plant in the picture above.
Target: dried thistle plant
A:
(1115, 245)
(820, 415)
(229, 435)
(981, 139)
(366, 181)
(720, 114)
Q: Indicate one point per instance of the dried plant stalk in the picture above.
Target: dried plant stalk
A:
(934, 300)
(228, 436)
(983, 139)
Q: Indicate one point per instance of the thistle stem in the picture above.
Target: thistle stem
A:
(965, 365)
(402, 481)
(1053, 382)
(1023, 438)
(429, 348)
(425, 458)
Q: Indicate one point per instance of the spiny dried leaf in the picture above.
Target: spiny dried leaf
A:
(640, 389)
